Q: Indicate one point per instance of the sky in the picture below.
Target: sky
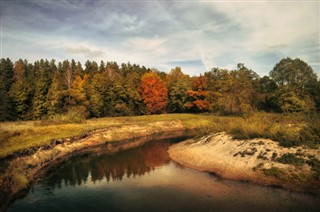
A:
(194, 35)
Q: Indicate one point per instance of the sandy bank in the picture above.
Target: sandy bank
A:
(247, 160)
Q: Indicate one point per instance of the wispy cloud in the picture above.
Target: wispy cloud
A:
(199, 35)
(88, 53)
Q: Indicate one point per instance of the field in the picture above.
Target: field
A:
(289, 130)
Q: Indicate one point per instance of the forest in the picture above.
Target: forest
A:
(46, 90)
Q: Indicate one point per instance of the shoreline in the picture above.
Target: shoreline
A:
(22, 168)
(246, 160)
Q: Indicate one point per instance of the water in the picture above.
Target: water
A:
(145, 179)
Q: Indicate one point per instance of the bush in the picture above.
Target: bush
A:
(74, 115)
(310, 134)
(315, 166)
(291, 159)
(275, 172)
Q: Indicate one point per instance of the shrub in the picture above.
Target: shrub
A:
(74, 115)
(315, 166)
(310, 134)
(275, 172)
(291, 159)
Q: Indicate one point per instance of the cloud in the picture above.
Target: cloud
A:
(88, 53)
(162, 33)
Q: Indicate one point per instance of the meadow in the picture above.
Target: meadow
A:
(288, 129)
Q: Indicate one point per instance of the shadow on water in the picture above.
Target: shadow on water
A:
(129, 163)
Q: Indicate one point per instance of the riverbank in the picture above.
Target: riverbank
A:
(261, 161)
(22, 168)
(27, 147)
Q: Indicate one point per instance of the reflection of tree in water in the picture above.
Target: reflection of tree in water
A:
(130, 163)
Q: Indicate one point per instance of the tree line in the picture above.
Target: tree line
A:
(43, 89)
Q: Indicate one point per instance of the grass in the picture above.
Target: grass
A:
(15, 136)
(288, 130)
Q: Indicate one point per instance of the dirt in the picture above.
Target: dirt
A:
(245, 160)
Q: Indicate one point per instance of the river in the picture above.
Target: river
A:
(145, 179)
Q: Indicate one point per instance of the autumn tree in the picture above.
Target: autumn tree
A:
(67, 91)
(79, 98)
(198, 101)
(153, 92)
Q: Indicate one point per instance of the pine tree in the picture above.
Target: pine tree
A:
(42, 85)
(21, 90)
(6, 80)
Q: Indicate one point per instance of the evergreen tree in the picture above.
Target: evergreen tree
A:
(21, 90)
(43, 78)
(6, 80)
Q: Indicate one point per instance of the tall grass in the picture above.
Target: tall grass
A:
(288, 130)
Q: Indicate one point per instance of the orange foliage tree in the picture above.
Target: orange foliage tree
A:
(153, 92)
(197, 95)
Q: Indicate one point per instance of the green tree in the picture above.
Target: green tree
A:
(43, 77)
(295, 74)
(267, 94)
(297, 85)
(21, 90)
(233, 92)
(178, 85)
(6, 80)
(135, 103)
(96, 91)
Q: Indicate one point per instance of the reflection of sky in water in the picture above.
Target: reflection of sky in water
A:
(163, 186)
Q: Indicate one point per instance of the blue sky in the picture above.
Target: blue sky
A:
(195, 35)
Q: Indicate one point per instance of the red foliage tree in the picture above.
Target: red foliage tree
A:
(153, 92)
(198, 95)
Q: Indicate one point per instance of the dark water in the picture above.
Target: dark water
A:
(145, 179)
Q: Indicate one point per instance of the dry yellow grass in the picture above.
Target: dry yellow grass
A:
(15, 136)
